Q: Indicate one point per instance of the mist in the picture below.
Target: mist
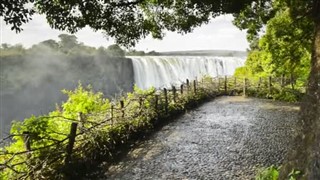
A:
(31, 82)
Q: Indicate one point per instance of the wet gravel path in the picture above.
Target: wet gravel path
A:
(227, 138)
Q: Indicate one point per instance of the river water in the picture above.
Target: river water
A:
(227, 138)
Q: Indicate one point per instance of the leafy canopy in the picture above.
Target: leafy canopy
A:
(284, 49)
(127, 21)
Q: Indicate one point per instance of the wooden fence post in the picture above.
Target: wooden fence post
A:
(111, 113)
(156, 105)
(282, 80)
(259, 83)
(140, 104)
(26, 139)
(122, 108)
(72, 137)
(188, 86)
(80, 122)
(245, 87)
(225, 84)
(270, 84)
(195, 86)
(165, 100)
(181, 89)
(174, 92)
(292, 81)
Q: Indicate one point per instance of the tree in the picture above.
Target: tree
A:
(50, 43)
(135, 53)
(255, 62)
(115, 51)
(67, 42)
(128, 21)
(285, 43)
(16, 13)
(284, 49)
(8, 50)
(153, 53)
(5, 46)
(289, 44)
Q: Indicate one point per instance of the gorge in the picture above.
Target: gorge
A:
(32, 84)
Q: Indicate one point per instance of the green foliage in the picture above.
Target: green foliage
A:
(68, 45)
(294, 174)
(67, 42)
(258, 63)
(284, 50)
(253, 17)
(115, 51)
(270, 173)
(288, 44)
(16, 13)
(83, 101)
(129, 21)
(243, 72)
(135, 53)
(50, 43)
(47, 130)
(153, 53)
(15, 50)
(288, 95)
(126, 21)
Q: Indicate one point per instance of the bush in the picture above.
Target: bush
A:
(288, 95)
(270, 173)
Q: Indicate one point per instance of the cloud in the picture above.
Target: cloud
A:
(218, 34)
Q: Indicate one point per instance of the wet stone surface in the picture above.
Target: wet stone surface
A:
(227, 138)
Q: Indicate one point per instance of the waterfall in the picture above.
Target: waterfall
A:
(164, 71)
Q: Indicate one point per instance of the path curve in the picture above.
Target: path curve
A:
(227, 138)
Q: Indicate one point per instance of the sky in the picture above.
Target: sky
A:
(219, 34)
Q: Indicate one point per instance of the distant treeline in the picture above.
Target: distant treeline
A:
(222, 53)
(68, 44)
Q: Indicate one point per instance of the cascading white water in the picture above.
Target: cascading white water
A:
(164, 71)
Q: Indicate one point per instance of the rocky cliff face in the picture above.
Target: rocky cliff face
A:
(32, 84)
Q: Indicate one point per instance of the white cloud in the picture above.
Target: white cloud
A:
(220, 33)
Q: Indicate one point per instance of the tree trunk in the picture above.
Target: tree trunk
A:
(305, 155)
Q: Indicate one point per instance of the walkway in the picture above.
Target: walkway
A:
(227, 138)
